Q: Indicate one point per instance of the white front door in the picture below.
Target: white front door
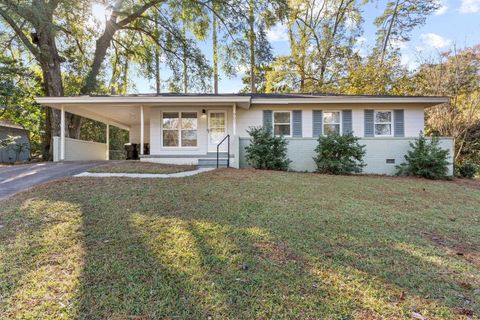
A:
(217, 129)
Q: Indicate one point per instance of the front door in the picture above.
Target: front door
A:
(217, 129)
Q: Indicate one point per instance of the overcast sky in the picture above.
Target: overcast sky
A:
(457, 23)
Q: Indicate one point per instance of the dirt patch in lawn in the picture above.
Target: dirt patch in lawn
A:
(277, 252)
(140, 167)
(461, 249)
(472, 183)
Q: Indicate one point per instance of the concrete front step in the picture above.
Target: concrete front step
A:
(212, 163)
(221, 155)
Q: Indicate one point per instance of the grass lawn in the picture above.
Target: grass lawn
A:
(140, 167)
(241, 244)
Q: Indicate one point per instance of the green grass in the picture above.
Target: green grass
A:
(140, 167)
(241, 244)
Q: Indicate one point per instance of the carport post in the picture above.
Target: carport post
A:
(62, 134)
(141, 130)
(234, 119)
(107, 142)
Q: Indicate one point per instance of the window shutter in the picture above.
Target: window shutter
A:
(267, 120)
(369, 124)
(297, 123)
(317, 122)
(347, 121)
(398, 123)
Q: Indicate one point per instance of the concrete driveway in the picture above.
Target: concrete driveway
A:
(17, 178)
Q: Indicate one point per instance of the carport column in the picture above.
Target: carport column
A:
(142, 125)
(62, 134)
(107, 142)
(234, 119)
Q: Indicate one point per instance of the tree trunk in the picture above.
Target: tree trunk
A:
(50, 62)
(215, 52)
(184, 47)
(251, 38)
(388, 32)
(184, 59)
(157, 61)
(102, 45)
(157, 71)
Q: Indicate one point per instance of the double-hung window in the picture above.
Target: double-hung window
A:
(383, 123)
(282, 123)
(179, 129)
(331, 122)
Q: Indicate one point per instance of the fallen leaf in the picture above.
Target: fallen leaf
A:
(416, 315)
(464, 312)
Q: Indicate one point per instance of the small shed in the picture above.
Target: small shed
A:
(10, 153)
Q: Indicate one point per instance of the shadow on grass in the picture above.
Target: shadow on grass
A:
(189, 249)
(40, 255)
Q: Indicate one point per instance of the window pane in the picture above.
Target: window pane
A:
(281, 117)
(217, 119)
(331, 128)
(189, 123)
(282, 130)
(383, 129)
(192, 115)
(170, 120)
(383, 116)
(170, 138)
(331, 117)
(189, 138)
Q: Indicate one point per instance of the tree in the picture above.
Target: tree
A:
(366, 76)
(248, 23)
(55, 22)
(322, 35)
(455, 74)
(193, 19)
(215, 47)
(19, 85)
(398, 20)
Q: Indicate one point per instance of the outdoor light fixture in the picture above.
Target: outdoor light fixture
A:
(204, 111)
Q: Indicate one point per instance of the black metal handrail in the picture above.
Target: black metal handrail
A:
(227, 137)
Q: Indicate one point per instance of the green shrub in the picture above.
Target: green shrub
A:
(337, 154)
(266, 151)
(466, 170)
(425, 159)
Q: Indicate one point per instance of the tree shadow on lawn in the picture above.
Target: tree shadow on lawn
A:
(39, 255)
(161, 250)
(341, 267)
(156, 266)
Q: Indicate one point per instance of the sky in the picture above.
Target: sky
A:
(456, 23)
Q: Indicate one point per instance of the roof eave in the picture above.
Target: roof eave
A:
(332, 100)
(243, 101)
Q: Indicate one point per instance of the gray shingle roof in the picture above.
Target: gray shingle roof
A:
(260, 95)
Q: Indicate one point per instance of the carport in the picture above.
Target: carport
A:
(125, 113)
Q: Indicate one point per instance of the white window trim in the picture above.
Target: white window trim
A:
(323, 121)
(375, 123)
(291, 122)
(179, 130)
